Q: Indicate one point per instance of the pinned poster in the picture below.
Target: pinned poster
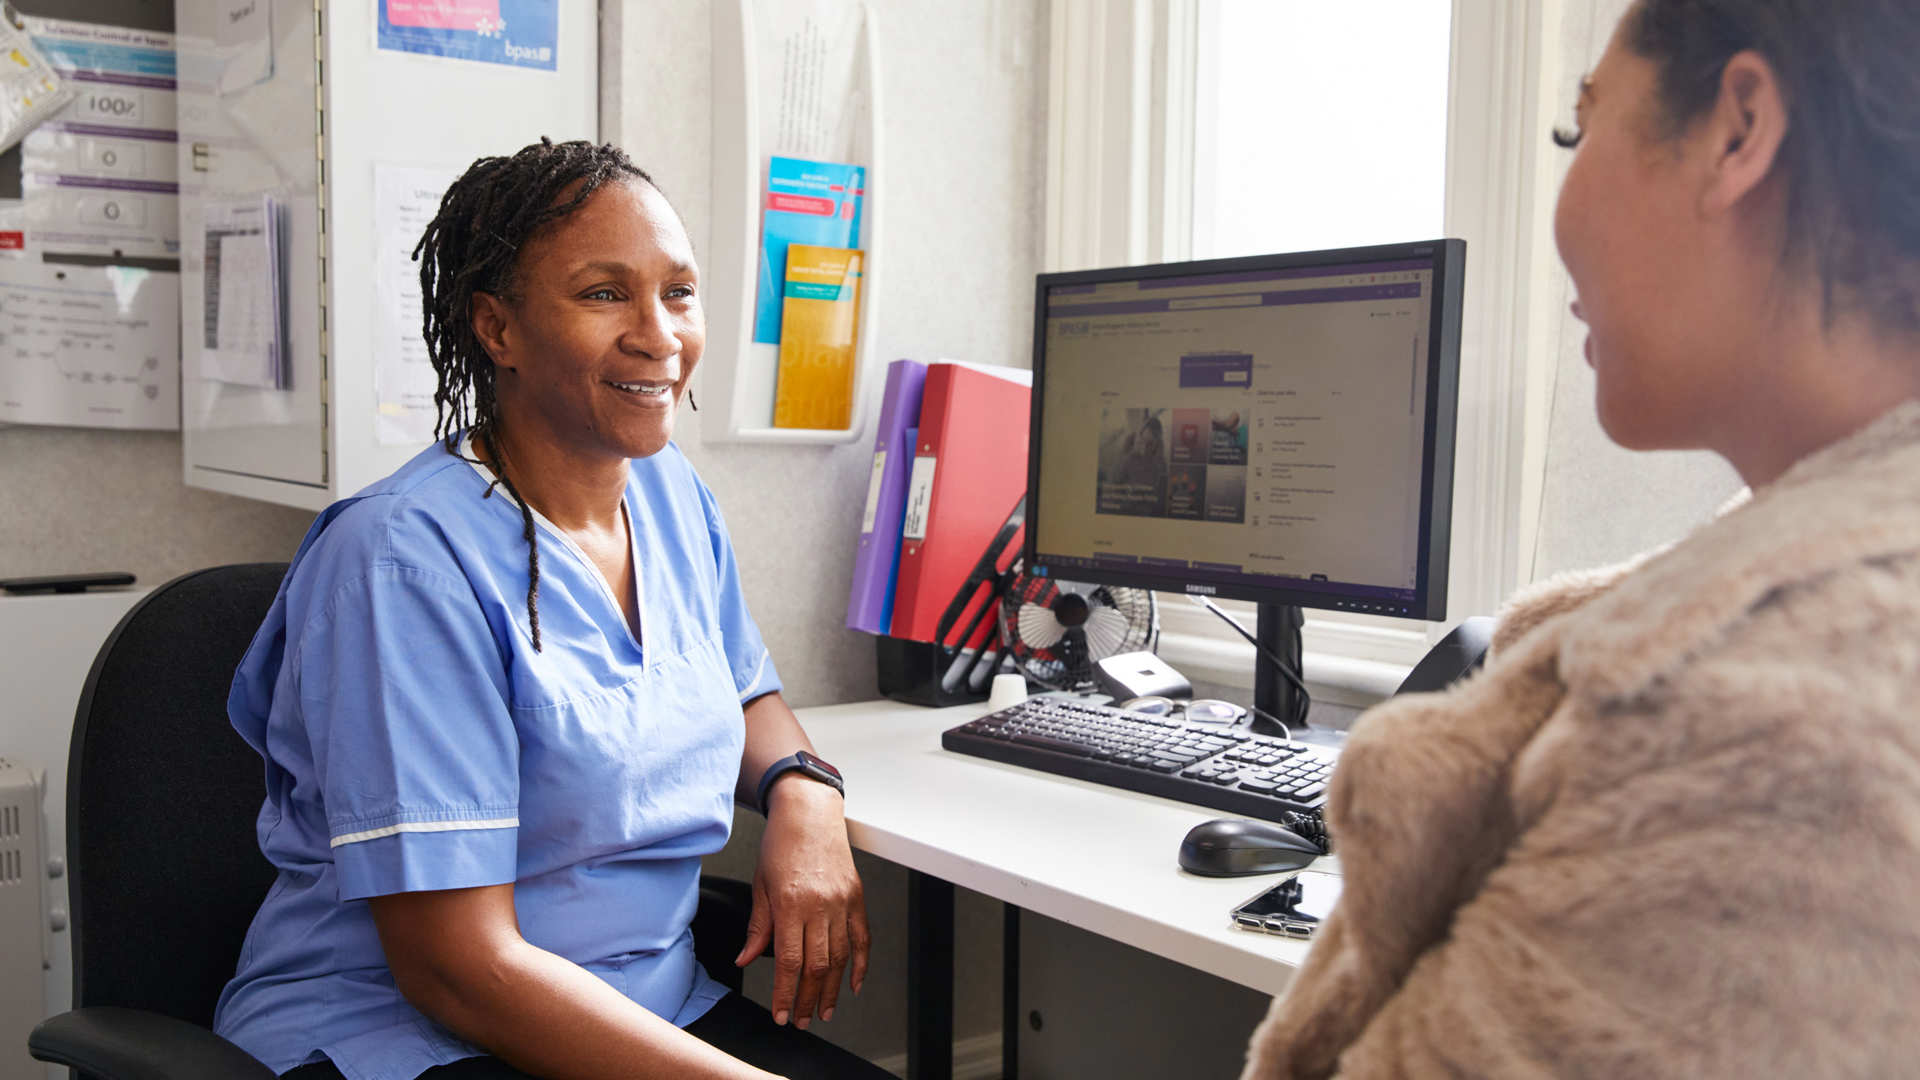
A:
(90, 346)
(405, 200)
(518, 33)
(100, 177)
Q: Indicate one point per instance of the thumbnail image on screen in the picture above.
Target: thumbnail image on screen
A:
(1187, 464)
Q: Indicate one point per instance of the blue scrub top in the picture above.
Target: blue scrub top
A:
(415, 740)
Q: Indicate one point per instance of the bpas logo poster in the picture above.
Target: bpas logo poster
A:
(519, 33)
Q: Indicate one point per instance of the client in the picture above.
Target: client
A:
(1673, 828)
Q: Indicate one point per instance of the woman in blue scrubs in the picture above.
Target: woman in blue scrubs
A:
(509, 695)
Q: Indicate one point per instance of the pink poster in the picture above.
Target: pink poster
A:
(519, 33)
(479, 15)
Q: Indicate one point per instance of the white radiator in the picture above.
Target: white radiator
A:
(24, 955)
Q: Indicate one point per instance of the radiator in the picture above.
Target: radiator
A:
(24, 948)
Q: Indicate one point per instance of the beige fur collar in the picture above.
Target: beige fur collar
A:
(1425, 796)
(1796, 529)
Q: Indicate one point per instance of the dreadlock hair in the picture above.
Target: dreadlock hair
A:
(473, 246)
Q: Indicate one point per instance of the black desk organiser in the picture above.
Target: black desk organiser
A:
(924, 672)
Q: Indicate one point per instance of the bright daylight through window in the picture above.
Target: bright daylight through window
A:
(1316, 126)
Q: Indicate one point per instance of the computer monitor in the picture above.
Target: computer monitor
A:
(1277, 428)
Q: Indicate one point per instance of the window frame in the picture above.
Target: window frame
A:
(1120, 156)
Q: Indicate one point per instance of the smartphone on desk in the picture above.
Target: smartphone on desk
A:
(1294, 908)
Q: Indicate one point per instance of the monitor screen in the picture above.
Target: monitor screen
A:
(1276, 428)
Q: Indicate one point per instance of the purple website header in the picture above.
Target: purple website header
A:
(1403, 291)
(1287, 275)
(1245, 276)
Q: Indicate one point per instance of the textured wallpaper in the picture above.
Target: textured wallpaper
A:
(75, 500)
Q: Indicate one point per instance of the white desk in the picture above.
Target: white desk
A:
(1095, 857)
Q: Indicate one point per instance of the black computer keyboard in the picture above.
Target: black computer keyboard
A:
(1204, 764)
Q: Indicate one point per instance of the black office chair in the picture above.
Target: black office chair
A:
(164, 872)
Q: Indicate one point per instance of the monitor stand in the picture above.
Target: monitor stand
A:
(1279, 632)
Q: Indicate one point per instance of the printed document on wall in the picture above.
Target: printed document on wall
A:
(100, 177)
(245, 316)
(89, 346)
(243, 44)
(405, 199)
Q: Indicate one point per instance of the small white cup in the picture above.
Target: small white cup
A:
(1008, 689)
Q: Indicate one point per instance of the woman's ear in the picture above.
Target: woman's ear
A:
(489, 320)
(1744, 131)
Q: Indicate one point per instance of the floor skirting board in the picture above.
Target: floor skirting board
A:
(975, 1058)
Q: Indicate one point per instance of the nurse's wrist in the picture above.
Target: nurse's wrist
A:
(798, 791)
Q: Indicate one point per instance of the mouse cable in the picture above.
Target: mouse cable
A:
(1306, 697)
(1312, 828)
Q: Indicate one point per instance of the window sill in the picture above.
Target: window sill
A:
(1331, 677)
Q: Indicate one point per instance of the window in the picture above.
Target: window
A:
(1318, 125)
(1202, 128)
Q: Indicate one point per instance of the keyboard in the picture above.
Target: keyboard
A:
(1207, 765)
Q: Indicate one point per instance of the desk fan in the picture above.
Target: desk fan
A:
(1056, 630)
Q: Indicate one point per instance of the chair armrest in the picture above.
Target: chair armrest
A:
(133, 1044)
(720, 927)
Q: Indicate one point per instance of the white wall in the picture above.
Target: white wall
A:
(963, 101)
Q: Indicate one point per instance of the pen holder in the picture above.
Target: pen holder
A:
(922, 673)
(937, 674)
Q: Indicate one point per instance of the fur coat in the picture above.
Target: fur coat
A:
(1672, 829)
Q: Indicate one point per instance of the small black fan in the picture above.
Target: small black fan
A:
(1055, 630)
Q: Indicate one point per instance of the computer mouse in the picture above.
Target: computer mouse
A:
(1230, 847)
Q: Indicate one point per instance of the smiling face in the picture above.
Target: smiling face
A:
(604, 328)
(1626, 230)
(1673, 241)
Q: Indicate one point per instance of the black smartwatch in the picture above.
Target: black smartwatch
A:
(805, 763)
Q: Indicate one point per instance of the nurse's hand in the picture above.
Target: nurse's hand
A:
(807, 901)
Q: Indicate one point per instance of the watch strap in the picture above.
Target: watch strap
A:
(804, 763)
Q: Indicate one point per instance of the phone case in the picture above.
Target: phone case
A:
(1247, 916)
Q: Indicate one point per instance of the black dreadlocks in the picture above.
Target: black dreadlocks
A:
(473, 245)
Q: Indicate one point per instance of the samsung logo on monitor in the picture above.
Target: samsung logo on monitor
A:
(1208, 589)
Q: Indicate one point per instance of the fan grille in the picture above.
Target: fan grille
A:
(1061, 656)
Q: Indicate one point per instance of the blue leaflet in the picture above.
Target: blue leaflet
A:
(808, 202)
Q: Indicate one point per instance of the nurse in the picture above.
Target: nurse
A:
(509, 695)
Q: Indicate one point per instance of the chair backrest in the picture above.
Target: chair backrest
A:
(162, 796)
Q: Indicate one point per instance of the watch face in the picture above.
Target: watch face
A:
(815, 762)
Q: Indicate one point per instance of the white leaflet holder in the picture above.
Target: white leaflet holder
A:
(754, 118)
